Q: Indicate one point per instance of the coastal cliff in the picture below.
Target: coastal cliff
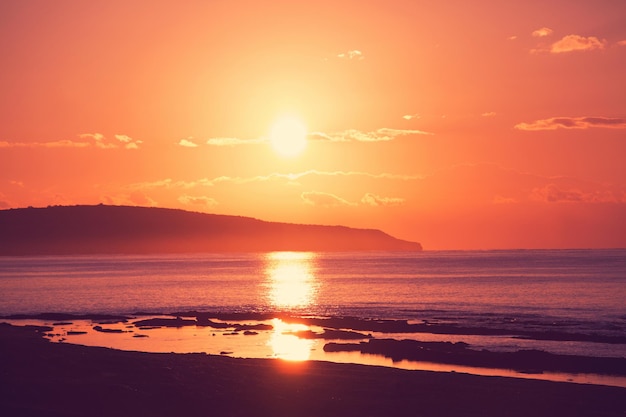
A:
(58, 230)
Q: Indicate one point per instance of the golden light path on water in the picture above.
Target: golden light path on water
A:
(290, 279)
(291, 282)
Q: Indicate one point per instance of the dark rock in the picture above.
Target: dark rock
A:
(165, 322)
(329, 334)
(103, 330)
(528, 361)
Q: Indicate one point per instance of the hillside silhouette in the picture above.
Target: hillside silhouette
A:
(57, 230)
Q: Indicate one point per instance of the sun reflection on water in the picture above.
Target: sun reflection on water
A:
(290, 279)
(289, 346)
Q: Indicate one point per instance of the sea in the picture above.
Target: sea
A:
(582, 292)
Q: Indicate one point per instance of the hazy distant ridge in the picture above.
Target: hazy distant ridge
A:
(121, 229)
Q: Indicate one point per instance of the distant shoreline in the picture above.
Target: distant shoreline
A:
(102, 229)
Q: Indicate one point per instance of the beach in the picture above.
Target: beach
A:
(40, 378)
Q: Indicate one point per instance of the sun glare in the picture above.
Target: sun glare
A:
(289, 346)
(288, 136)
(291, 279)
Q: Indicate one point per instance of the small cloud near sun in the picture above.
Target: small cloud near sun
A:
(232, 141)
(353, 54)
(186, 143)
(411, 116)
(353, 135)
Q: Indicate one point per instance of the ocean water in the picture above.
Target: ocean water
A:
(582, 292)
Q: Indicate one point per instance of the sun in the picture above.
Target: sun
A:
(288, 136)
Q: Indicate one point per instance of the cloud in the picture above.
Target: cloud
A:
(129, 143)
(142, 199)
(573, 123)
(98, 137)
(187, 143)
(551, 193)
(197, 200)
(54, 144)
(512, 38)
(577, 43)
(232, 141)
(164, 183)
(276, 176)
(349, 135)
(540, 33)
(375, 200)
(99, 140)
(411, 116)
(89, 139)
(123, 138)
(380, 135)
(353, 54)
(489, 114)
(621, 43)
(317, 198)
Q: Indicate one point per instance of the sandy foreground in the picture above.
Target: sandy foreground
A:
(39, 378)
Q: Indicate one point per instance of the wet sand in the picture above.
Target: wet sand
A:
(39, 378)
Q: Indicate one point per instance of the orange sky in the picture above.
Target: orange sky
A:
(461, 125)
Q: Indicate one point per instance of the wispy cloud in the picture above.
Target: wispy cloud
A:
(353, 54)
(554, 123)
(291, 178)
(621, 43)
(317, 198)
(103, 142)
(411, 116)
(128, 142)
(489, 114)
(349, 135)
(53, 144)
(98, 137)
(375, 200)
(571, 43)
(542, 32)
(552, 193)
(233, 141)
(380, 135)
(198, 200)
(186, 143)
(87, 140)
